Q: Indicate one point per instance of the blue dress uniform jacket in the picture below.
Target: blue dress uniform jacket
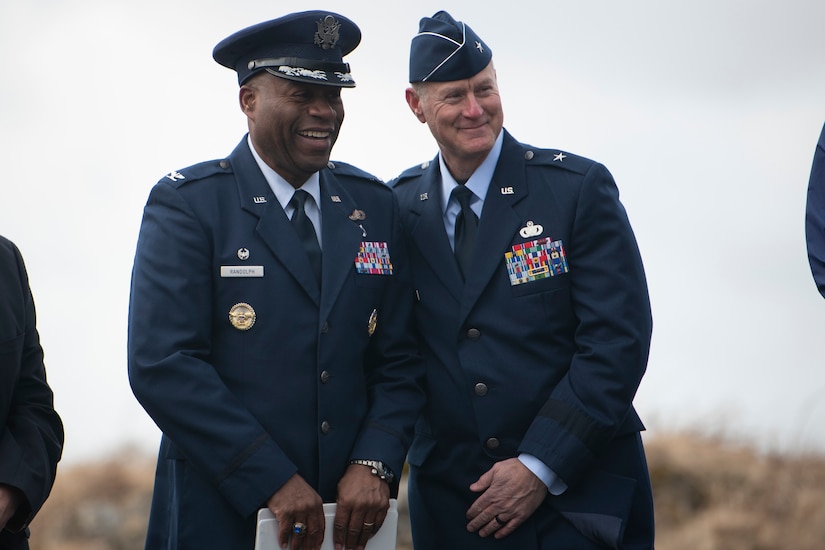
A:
(31, 432)
(306, 388)
(815, 216)
(547, 367)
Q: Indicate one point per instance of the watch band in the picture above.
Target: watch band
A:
(377, 468)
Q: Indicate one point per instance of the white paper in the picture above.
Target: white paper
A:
(266, 537)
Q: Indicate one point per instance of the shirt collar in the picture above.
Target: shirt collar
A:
(479, 182)
(283, 189)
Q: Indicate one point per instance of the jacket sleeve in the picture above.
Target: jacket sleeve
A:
(592, 402)
(815, 216)
(169, 349)
(395, 369)
(31, 434)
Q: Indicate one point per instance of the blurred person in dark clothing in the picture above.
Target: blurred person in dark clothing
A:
(31, 432)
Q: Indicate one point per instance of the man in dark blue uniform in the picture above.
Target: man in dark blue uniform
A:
(815, 216)
(269, 313)
(31, 432)
(535, 322)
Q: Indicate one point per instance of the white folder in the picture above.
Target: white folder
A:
(266, 537)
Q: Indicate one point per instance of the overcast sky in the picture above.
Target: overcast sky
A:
(706, 112)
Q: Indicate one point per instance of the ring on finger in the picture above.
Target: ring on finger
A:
(299, 528)
(499, 520)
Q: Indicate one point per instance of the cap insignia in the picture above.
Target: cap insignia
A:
(328, 32)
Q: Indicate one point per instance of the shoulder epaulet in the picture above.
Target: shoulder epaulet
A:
(409, 173)
(557, 158)
(344, 169)
(197, 172)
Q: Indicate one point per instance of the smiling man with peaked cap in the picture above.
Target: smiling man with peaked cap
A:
(535, 326)
(269, 333)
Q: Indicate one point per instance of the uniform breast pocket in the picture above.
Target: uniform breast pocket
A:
(549, 284)
(371, 280)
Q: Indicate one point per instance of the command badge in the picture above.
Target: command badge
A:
(242, 316)
(358, 215)
(372, 322)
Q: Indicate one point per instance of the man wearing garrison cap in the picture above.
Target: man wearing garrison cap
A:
(268, 322)
(535, 326)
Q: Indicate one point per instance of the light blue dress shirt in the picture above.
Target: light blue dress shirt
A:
(283, 192)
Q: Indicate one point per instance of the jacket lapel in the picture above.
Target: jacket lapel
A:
(428, 234)
(498, 223)
(273, 225)
(342, 239)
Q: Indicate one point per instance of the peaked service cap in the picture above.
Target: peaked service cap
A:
(445, 49)
(306, 47)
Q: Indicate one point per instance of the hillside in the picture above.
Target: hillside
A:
(710, 495)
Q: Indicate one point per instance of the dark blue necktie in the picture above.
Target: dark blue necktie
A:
(466, 224)
(306, 231)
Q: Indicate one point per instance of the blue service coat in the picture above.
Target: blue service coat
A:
(547, 367)
(31, 432)
(815, 216)
(307, 388)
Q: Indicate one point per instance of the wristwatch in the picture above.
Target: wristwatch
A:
(377, 468)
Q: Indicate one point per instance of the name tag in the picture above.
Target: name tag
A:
(242, 271)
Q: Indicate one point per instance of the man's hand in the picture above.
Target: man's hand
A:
(510, 495)
(9, 501)
(298, 503)
(363, 501)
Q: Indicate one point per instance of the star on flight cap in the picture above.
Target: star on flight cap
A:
(306, 47)
(445, 49)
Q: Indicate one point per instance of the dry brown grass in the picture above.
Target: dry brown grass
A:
(710, 495)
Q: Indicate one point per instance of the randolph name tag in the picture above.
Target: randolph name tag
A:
(242, 271)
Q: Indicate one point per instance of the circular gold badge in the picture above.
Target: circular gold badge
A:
(242, 316)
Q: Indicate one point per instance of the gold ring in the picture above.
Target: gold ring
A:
(299, 528)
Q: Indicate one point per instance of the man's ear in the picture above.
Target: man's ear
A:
(246, 98)
(414, 101)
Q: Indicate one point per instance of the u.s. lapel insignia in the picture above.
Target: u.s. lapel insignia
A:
(335, 198)
(242, 316)
(259, 200)
(373, 322)
(531, 230)
(358, 215)
(507, 190)
(243, 253)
